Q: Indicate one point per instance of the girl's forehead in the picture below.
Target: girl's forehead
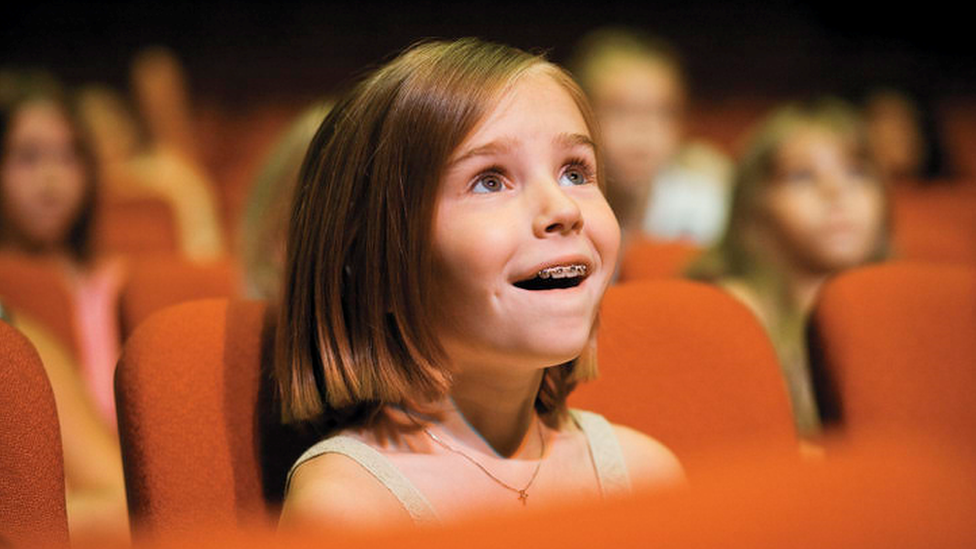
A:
(536, 98)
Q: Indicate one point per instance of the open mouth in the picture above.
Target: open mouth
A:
(555, 278)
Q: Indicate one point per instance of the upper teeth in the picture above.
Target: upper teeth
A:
(563, 271)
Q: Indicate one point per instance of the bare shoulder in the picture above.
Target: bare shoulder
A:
(649, 462)
(335, 490)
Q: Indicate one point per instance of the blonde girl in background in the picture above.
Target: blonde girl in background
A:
(808, 204)
(47, 197)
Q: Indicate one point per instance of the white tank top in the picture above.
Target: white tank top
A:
(608, 461)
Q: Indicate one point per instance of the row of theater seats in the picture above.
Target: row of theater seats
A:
(683, 361)
(152, 282)
(898, 358)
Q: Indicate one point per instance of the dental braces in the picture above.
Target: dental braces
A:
(563, 271)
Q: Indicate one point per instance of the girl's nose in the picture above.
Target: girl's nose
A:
(832, 185)
(557, 212)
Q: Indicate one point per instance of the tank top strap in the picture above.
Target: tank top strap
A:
(412, 500)
(608, 458)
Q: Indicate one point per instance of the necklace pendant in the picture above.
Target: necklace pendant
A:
(523, 497)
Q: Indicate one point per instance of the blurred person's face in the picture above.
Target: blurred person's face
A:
(894, 137)
(639, 104)
(42, 178)
(824, 209)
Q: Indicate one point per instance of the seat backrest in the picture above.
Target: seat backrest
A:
(36, 288)
(201, 440)
(935, 224)
(136, 226)
(156, 282)
(861, 498)
(32, 500)
(898, 342)
(645, 258)
(689, 365)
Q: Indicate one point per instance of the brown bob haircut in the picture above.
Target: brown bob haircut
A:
(22, 89)
(354, 334)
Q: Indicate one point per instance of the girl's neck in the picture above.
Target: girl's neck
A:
(804, 287)
(494, 414)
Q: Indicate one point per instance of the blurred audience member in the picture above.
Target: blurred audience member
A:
(659, 184)
(808, 203)
(47, 193)
(904, 138)
(131, 166)
(265, 224)
(159, 88)
(47, 197)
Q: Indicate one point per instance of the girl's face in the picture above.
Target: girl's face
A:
(517, 197)
(826, 210)
(639, 104)
(42, 178)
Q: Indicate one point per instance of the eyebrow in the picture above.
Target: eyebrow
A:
(573, 140)
(505, 144)
(490, 149)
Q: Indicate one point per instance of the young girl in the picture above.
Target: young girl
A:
(807, 204)
(448, 251)
(46, 204)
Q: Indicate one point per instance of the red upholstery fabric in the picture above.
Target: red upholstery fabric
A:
(690, 366)
(898, 342)
(156, 282)
(894, 493)
(200, 438)
(32, 504)
(935, 225)
(646, 259)
(135, 226)
(37, 289)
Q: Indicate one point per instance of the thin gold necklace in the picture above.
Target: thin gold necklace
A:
(523, 494)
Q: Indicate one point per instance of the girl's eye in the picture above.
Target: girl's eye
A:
(574, 176)
(488, 183)
(798, 177)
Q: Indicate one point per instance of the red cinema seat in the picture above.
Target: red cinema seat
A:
(899, 344)
(32, 500)
(689, 365)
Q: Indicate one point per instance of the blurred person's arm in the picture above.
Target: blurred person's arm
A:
(192, 198)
